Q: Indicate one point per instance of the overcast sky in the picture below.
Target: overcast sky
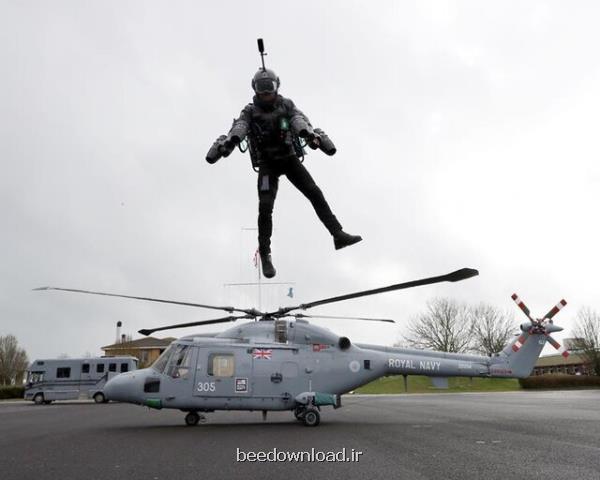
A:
(467, 136)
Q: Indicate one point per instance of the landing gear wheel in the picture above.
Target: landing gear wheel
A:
(99, 398)
(191, 419)
(311, 417)
(38, 399)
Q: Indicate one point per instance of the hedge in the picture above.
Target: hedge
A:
(11, 392)
(556, 380)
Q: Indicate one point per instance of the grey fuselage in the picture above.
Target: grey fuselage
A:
(270, 365)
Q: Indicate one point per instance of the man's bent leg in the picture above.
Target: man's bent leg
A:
(303, 181)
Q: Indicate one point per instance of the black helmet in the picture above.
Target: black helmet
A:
(265, 81)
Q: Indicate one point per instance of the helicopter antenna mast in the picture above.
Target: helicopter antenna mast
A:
(259, 284)
(261, 50)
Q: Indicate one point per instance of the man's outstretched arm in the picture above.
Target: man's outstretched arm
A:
(225, 144)
(316, 138)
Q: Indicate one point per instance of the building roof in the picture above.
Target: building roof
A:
(557, 360)
(144, 342)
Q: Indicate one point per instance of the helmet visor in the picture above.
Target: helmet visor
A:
(265, 85)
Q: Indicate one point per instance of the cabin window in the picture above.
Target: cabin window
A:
(161, 362)
(85, 368)
(100, 368)
(112, 367)
(221, 365)
(124, 367)
(179, 363)
(63, 372)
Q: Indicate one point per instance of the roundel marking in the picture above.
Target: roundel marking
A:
(354, 366)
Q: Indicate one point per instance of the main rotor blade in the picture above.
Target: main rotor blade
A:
(302, 315)
(557, 308)
(187, 304)
(456, 276)
(148, 331)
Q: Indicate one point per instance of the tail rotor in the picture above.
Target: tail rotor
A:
(544, 326)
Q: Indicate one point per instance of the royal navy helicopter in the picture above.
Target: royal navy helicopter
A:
(279, 361)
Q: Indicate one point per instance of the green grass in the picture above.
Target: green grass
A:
(419, 384)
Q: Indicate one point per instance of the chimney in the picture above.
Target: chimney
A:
(119, 325)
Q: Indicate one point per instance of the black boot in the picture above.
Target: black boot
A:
(342, 239)
(267, 265)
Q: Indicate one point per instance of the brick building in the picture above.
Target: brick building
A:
(146, 349)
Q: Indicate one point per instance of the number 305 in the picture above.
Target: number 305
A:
(206, 387)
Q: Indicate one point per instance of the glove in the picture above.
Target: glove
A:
(216, 151)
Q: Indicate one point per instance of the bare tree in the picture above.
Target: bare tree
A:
(444, 326)
(13, 360)
(587, 337)
(492, 328)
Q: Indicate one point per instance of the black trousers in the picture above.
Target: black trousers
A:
(268, 183)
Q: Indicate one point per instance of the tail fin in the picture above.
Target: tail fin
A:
(519, 357)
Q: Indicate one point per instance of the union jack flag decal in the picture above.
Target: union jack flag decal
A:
(264, 353)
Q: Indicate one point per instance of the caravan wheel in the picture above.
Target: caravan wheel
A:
(99, 398)
(38, 399)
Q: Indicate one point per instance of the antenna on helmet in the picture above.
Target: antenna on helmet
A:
(261, 50)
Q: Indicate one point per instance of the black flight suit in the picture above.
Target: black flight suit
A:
(267, 126)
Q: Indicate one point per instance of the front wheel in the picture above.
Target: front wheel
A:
(99, 398)
(191, 419)
(312, 418)
(38, 399)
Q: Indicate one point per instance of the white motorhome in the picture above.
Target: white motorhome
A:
(73, 378)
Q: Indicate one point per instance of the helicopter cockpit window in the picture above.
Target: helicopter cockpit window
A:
(221, 365)
(161, 362)
(179, 362)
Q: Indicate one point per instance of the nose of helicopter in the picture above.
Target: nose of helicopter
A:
(126, 387)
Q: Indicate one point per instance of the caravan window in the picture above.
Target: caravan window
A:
(85, 368)
(36, 377)
(124, 367)
(112, 367)
(100, 368)
(64, 372)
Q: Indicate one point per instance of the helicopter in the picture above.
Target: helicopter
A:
(279, 361)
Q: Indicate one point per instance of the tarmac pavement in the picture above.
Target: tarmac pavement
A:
(524, 435)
